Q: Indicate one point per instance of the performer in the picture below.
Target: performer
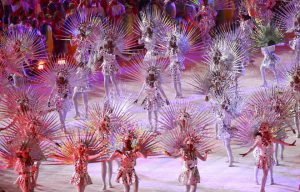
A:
(190, 146)
(81, 87)
(79, 149)
(295, 85)
(154, 92)
(24, 167)
(145, 147)
(110, 65)
(266, 38)
(60, 97)
(111, 118)
(264, 142)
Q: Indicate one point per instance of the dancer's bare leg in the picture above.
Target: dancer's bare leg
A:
(281, 151)
(256, 170)
(126, 188)
(75, 101)
(297, 114)
(229, 151)
(155, 119)
(263, 75)
(276, 153)
(271, 173)
(106, 85)
(187, 188)
(136, 185)
(114, 81)
(193, 188)
(264, 179)
(103, 175)
(110, 170)
(86, 103)
(150, 119)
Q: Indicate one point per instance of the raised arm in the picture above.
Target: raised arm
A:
(174, 155)
(283, 143)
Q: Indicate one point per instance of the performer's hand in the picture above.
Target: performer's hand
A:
(293, 144)
(167, 102)
(243, 154)
(136, 101)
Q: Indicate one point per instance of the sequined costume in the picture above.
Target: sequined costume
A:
(109, 65)
(271, 59)
(24, 169)
(176, 66)
(190, 174)
(126, 173)
(153, 100)
(81, 176)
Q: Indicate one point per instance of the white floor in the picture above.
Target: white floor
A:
(160, 174)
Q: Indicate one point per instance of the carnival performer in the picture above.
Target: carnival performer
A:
(264, 142)
(136, 144)
(24, 167)
(22, 48)
(266, 38)
(190, 146)
(81, 26)
(105, 121)
(79, 149)
(277, 101)
(81, 87)
(113, 41)
(181, 40)
(154, 95)
(59, 78)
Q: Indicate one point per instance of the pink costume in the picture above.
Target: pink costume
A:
(190, 174)
(24, 169)
(153, 100)
(81, 176)
(126, 173)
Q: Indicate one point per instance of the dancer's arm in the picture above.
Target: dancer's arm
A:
(251, 149)
(283, 143)
(140, 93)
(117, 154)
(203, 157)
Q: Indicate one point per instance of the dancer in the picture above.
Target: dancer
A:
(294, 76)
(153, 100)
(135, 145)
(264, 142)
(190, 146)
(111, 118)
(181, 40)
(81, 87)
(24, 167)
(79, 149)
(60, 79)
(279, 102)
(266, 37)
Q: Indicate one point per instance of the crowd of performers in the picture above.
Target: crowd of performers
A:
(37, 92)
